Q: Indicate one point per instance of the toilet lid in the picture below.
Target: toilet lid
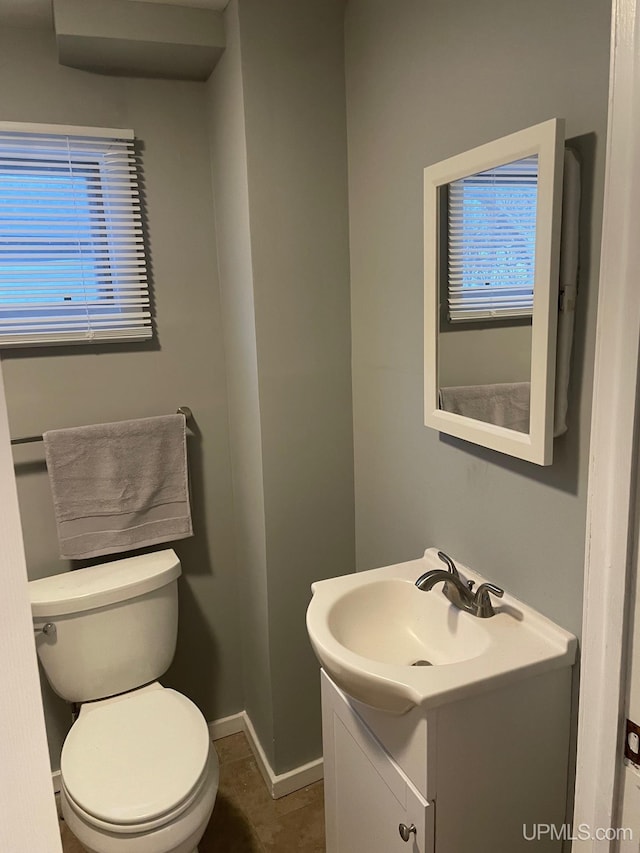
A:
(135, 759)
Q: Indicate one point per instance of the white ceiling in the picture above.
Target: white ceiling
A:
(37, 13)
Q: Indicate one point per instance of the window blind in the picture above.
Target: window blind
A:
(72, 260)
(492, 238)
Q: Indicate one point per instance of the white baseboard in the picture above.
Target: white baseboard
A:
(299, 777)
(278, 785)
(227, 726)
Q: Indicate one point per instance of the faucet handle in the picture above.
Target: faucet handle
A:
(482, 601)
(451, 566)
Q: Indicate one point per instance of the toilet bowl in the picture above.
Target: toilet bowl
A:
(138, 771)
(139, 774)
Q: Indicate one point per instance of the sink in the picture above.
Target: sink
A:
(393, 647)
(384, 620)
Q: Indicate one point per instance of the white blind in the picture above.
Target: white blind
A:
(72, 260)
(491, 242)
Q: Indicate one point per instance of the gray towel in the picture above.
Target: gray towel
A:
(119, 486)
(504, 404)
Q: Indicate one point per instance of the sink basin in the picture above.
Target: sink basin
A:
(390, 645)
(384, 620)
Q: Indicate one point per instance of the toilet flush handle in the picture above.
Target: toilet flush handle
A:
(48, 629)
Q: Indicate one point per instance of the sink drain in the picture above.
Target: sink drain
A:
(422, 663)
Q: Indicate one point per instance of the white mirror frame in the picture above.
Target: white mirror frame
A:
(546, 140)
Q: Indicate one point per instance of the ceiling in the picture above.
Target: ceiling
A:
(37, 13)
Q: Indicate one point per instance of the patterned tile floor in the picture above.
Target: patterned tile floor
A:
(245, 818)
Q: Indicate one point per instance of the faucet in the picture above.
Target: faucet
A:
(458, 592)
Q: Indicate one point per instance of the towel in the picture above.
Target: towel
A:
(504, 404)
(119, 486)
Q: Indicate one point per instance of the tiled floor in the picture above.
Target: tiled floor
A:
(245, 818)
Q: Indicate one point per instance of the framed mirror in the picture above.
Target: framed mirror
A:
(492, 237)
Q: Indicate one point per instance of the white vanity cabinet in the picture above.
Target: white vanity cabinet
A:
(367, 794)
(473, 776)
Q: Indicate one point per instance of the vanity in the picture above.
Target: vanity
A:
(443, 732)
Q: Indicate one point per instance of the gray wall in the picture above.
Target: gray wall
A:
(293, 72)
(292, 293)
(425, 81)
(57, 387)
(230, 180)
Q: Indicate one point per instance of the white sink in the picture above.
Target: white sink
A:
(390, 645)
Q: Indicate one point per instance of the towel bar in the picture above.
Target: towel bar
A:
(29, 439)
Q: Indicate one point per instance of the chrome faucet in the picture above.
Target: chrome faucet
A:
(458, 592)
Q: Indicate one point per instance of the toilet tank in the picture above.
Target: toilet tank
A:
(116, 625)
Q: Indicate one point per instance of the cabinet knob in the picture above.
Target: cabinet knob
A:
(407, 831)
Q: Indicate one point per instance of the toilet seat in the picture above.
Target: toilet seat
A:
(135, 762)
(147, 826)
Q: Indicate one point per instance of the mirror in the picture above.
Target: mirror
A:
(492, 235)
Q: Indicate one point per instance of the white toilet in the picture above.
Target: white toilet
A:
(138, 771)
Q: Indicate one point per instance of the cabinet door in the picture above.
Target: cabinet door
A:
(367, 796)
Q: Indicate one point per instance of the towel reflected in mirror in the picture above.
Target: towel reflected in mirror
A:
(504, 404)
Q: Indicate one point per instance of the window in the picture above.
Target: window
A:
(72, 262)
(492, 242)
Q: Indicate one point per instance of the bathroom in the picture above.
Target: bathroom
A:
(283, 217)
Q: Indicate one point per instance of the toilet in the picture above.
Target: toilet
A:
(138, 771)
